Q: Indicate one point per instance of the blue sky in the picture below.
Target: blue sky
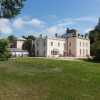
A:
(53, 16)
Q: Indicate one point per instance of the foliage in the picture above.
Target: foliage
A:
(29, 45)
(95, 41)
(12, 41)
(11, 38)
(4, 53)
(10, 8)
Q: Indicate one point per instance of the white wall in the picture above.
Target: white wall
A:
(19, 44)
(43, 47)
(55, 46)
(83, 47)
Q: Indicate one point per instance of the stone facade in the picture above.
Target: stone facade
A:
(70, 45)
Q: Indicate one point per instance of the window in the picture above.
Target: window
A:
(70, 44)
(70, 52)
(44, 43)
(80, 52)
(86, 52)
(83, 52)
(51, 43)
(64, 44)
(37, 52)
(44, 52)
(54, 52)
(83, 44)
(80, 44)
(58, 44)
(87, 44)
(37, 44)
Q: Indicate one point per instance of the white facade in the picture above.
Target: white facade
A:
(49, 47)
(17, 50)
(78, 47)
(62, 47)
(19, 43)
(55, 47)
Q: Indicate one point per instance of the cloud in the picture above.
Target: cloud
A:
(55, 29)
(5, 26)
(37, 23)
(89, 29)
(27, 24)
(22, 23)
(85, 19)
(61, 25)
(79, 19)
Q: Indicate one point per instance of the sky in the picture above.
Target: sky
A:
(48, 17)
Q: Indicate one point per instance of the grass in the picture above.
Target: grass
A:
(41, 79)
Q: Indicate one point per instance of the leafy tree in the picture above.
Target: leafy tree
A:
(4, 53)
(10, 8)
(11, 38)
(12, 41)
(95, 41)
(29, 45)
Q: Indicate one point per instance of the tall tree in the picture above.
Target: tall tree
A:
(11, 38)
(12, 41)
(4, 53)
(95, 41)
(29, 44)
(10, 8)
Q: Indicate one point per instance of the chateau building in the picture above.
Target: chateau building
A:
(71, 44)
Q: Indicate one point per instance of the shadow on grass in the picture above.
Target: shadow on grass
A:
(92, 60)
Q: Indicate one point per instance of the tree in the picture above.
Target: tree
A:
(10, 8)
(4, 53)
(29, 45)
(95, 41)
(11, 38)
(12, 41)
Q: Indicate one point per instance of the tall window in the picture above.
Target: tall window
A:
(87, 44)
(51, 43)
(58, 44)
(70, 53)
(37, 53)
(80, 44)
(44, 43)
(54, 52)
(70, 44)
(83, 52)
(37, 44)
(86, 52)
(80, 52)
(83, 44)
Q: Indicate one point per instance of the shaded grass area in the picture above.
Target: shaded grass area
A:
(41, 79)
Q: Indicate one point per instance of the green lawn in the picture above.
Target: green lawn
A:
(41, 79)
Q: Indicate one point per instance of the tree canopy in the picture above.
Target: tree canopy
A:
(95, 41)
(10, 8)
(29, 44)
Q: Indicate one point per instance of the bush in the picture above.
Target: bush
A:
(4, 53)
(97, 55)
